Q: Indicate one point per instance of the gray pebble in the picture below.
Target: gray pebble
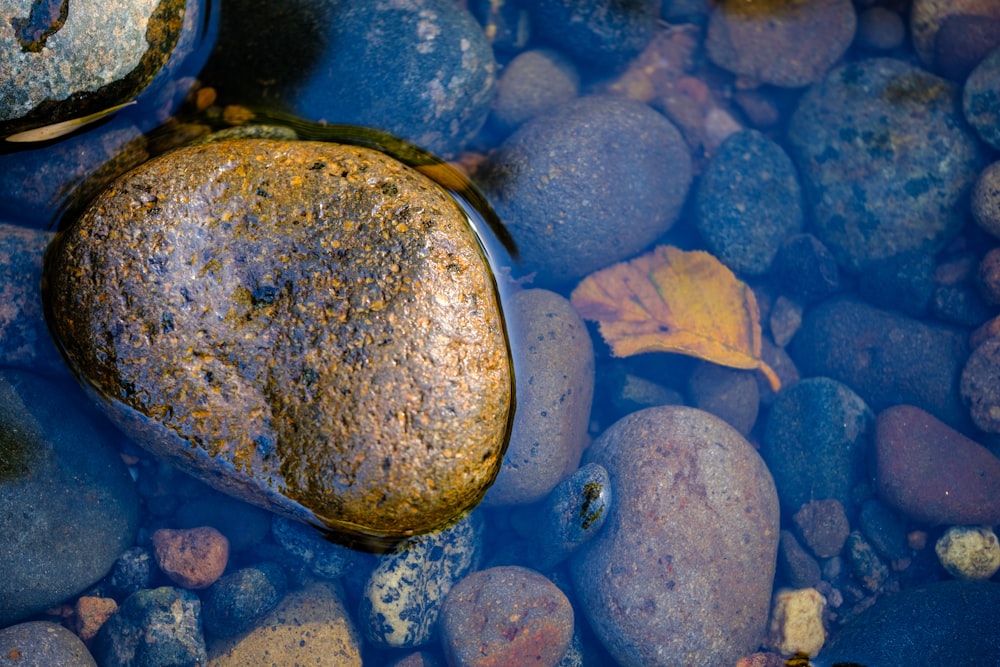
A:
(238, 600)
(533, 83)
(986, 200)
(152, 628)
(42, 644)
(306, 544)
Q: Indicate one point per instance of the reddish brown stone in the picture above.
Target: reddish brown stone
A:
(506, 616)
(192, 558)
(932, 473)
(91, 612)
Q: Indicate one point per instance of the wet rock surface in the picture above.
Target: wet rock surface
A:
(42, 644)
(782, 43)
(871, 141)
(686, 485)
(286, 308)
(68, 507)
(159, 626)
(556, 181)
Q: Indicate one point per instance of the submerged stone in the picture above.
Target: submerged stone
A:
(308, 326)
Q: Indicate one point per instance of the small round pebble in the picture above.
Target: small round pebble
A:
(969, 552)
(192, 557)
(805, 268)
(42, 644)
(866, 565)
(307, 546)
(950, 36)
(728, 393)
(981, 99)
(788, 44)
(823, 526)
(748, 200)
(563, 182)
(237, 601)
(133, 570)
(800, 569)
(91, 613)
(506, 616)
(159, 626)
(986, 200)
(533, 83)
(884, 529)
(979, 388)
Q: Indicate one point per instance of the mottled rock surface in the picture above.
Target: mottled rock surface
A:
(681, 573)
(42, 644)
(310, 327)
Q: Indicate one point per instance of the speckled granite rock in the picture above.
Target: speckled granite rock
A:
(404, 594)
(42, 644)
(66, 60)
(308, 326)
(885, 158)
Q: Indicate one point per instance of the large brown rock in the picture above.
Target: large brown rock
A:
(308, 326)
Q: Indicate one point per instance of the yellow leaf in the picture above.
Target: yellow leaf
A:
(670, 300)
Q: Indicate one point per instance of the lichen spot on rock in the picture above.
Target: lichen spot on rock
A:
(308, 326)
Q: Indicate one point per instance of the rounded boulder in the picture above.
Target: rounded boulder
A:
(308, 326)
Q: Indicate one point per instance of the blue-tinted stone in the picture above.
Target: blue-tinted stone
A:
(235, 603)
(306, 544)
(152, 628)
(601, 32)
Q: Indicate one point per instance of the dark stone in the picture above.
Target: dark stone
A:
(238, 600)
(132, 571)
(885, 159)
(986, 197)
(866, 566)
(799, 568)
(235, 304)
(887, 358)
(306, 545)
(599, 32)
(533, 83)
(903, 282)
(884, 530)
(805, 269)
(748, 200)
(981, 99)
(988, 277)
(728, 393)
(942, 623)
(558, 185)
(979, 387)
(960, 305)
(68, 506)
(152, 628)
(243, 524)
(815, 442)
(962, 42)
(823, 526)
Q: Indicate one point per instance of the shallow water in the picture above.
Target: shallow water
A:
(713, 103)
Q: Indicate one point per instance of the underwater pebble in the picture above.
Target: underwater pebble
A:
(601, 32)
(748, 200)
(133, 570)
(988, 277)
(884, 529)
(800, 569)
(68, 506)
(91, 613)
(554, 371)
(531, 84)
(244, 525)
(815, 442)
(986, 200)
(866, 565)
(904, 282)
(951, 36)
(153, 627)
(885, 160)
(404, 594)
(275, 331)
(686, 486)
(42, 644)
(306, 545)
(932, 473)
(797, 622)
(311, 626)
(969, 552)
(506, 616)
(562, 182)
(823, 526)
(805, 268)
(880, 29)
(788, 45)
(728, 393)
(237, 601)
(191, 557)
(885, 357)
(933, 624)
(979, 387)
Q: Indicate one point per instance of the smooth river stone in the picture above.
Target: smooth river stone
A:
(681, 573)
(308, 326)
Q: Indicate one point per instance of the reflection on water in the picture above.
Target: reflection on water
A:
(826, 153)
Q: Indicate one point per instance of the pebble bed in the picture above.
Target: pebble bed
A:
(840, 157)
